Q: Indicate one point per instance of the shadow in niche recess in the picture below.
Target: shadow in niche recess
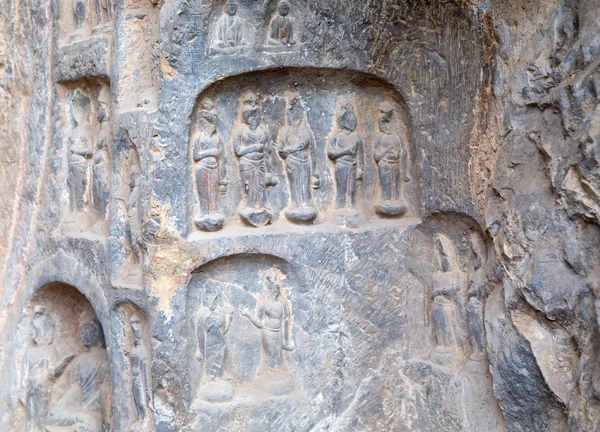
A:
(334, 145)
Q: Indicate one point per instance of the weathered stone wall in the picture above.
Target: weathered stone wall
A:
(304, 215)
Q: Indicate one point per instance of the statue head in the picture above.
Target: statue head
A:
(445, 253)
(284, 8)
(272, 283)
(347, 119)
(136, 327)
(231, 7)
(208, 116)
(43, 326)
(251, 116)
(80, 107)
(91, 333)
(249, 98)
(386, 114)
(295, 110)
(210, 297)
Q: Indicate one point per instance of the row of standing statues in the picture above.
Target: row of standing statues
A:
(296, 146)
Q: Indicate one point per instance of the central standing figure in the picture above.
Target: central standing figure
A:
(251, 146)
(296, 145)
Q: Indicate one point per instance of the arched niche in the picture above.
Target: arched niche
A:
(66, 380)
(324, 95)
(132, 364)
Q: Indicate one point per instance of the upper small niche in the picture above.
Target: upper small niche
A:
(80, 19)
(306, 146)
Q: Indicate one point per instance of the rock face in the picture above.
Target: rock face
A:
(300, 215)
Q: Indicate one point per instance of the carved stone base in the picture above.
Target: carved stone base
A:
(216, 391)
(391, 208)
(210, 222)
(301, 214)
(256, 217)
(276, 383)
(445, 356)
(349, 217)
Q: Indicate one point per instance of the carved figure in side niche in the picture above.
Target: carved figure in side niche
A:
(101, 165)
(141, 385)
(229, 35)
(447, 281)
(281, 28)
(81, 152)
(477, 292)
(251, 146)
(80, 11)
(41, 369)
(209, 166)
(391, 158)
(84, 407)
(296, 146)
(346, 151)
(134, 220)
(273, 317)
(212, 324)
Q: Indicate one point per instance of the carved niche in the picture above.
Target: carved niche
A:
(80, 19)
(301, 146)
(65, 372)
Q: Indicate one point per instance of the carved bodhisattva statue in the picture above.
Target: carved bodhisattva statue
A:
(477, 293)
(85, 405)
(296, 146)
(391, 158)
(81, 152)
(446, 282)
(212, 324)
(229, 33)
(281, 28)
(209, 167)
(273, 317)
(141, 386)
(41, 369)
(251, 146)
(346, 151)
(134, 220)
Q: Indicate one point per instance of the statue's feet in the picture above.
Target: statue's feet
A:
(217, 391)
(446, 356)
(301, 214)
(257, 217)
(209, 222)
(391, 208)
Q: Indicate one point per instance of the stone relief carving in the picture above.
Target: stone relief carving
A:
(390, 155)
(209, 167)
(212, 324)
(282, 28)
(478, 288)
(253, 149)
(85, 18)
(346, 151)
(134, 230)
(81, 152)
(296, 145)
(229, 34)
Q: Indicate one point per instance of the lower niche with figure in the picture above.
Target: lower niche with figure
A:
(65, 373)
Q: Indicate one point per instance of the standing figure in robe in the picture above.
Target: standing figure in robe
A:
(212, 324)
(391, 159)
(476, 294)
(85, 405)
(81, 152)
(281, 28)
(141, 385)
(251, 146)
(41, 370)
(209, 166)
(346, 151)
(296, 146)
(134, 219)
(229, 34)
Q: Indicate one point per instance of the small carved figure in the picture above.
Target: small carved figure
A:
(141, 386)
(41, 370)
(81, 152)
(229, 34)
(83, 407)
(134, 221)
(391, 158)
(251, 146)
(100, 175)
(212, 324)
(346, 151)
(447, 281)
(296, 146)
(272, 316)
(209, 166)
(478, 284)
(281, 28)
(79, 10)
